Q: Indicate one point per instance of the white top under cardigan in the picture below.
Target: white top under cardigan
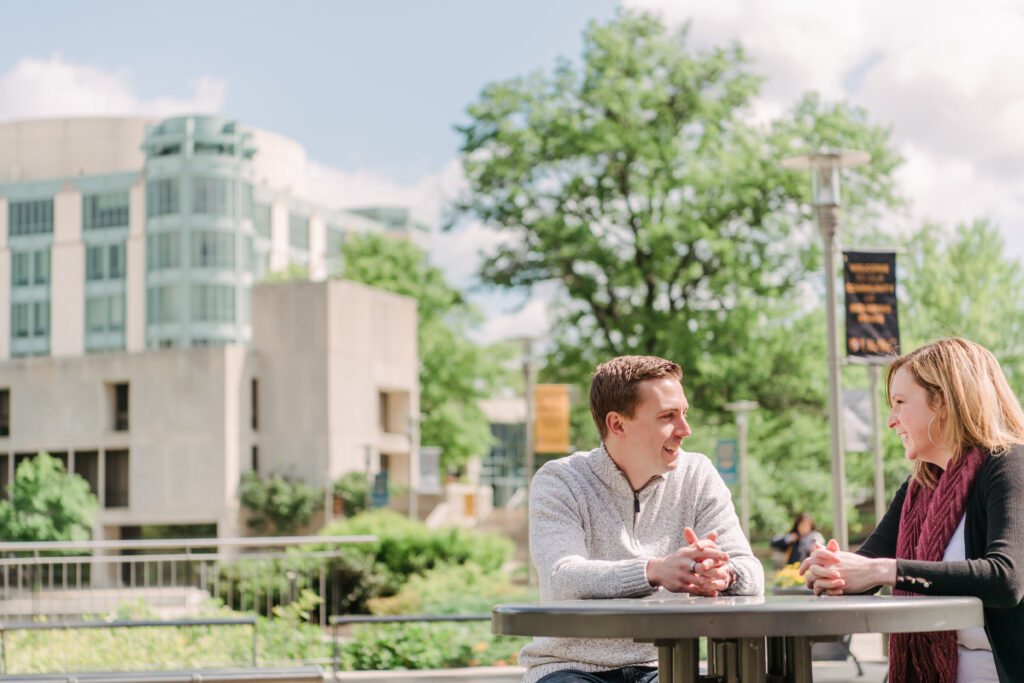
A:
(975, 663)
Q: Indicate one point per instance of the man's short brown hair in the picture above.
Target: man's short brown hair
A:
(615, 386)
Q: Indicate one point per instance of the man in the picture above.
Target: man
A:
(632, 518)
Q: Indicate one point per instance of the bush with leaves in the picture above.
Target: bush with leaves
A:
(278, 502)
(350, 488)
(286, 639)
(350, 580)
(446, 589)
(47, 503)
(407, 547)
(453, 589)
(365, 571)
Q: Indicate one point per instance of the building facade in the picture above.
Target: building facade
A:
(137, 344)
(128, 234)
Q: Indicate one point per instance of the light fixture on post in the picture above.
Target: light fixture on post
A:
(824, 167)
(741, 408)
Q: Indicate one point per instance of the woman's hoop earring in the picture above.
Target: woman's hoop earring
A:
(930, 430)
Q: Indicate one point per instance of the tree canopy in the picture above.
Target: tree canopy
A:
(639, 181)
(455, 373)
(961, 282)
(47, 503)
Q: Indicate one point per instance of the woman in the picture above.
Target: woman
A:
(800, 540)
(956, 526)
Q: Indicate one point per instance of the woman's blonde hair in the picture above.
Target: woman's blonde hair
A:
(981, 411)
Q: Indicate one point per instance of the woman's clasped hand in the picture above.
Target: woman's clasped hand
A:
(831, 571)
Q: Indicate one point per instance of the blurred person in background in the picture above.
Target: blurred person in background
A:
(799, 542)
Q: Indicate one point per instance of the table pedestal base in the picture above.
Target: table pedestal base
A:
(736, 660)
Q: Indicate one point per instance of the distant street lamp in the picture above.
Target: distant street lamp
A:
(824, 167)
(530, 380)
(741, 408)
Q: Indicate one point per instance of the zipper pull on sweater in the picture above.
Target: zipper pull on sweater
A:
(636, 502)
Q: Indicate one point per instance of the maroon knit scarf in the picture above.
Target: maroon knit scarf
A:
(927, 523)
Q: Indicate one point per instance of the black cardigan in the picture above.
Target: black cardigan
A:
(994, 545)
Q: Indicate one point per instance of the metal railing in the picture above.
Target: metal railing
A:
(71, 579)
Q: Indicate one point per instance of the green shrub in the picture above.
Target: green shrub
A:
(277, 502)
(351, 489)
(407, 547)
(446, 589)
(350, 580)
(427, 646)
(453, 589)
(366, 571)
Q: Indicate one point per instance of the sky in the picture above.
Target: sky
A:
(373, 90)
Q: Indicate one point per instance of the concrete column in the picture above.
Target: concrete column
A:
(317, 247)
(278, 235)
(135, 269)
(5, 286)
(67, 275)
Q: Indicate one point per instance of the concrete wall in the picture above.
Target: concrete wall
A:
(135, 269)
(183, 425)
(5, 284)
(326, 352)
(322, 354)
(67, 273)
(57, 148)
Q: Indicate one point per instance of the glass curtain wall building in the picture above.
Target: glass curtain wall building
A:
(129, 234)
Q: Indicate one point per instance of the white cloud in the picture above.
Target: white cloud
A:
(941, 74)
(53, 87)
(340, 189)
(457, 252)
(517, 320)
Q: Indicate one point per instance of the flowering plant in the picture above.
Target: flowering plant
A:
(789, 576)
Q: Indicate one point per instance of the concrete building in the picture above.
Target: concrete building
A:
(136, 344)
(126, 234)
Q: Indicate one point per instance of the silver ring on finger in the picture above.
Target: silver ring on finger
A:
(693, 566)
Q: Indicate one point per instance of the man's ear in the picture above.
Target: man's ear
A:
(615, 423)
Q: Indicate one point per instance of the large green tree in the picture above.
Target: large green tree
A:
(640, 180)
(455, 373)
(952, 281)
(47, 503)
(961, 282)
(637, 180)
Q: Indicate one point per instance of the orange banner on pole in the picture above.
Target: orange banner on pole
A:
(551, 421)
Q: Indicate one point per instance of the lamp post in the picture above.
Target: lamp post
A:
(529, 380)
(741, 408)
(414, 464)
(824, 167)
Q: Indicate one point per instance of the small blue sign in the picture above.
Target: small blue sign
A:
(379, 499)
(725, 460)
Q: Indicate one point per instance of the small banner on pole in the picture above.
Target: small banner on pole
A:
(551, 424)
(430, 469)
(725, 460)
(379, 498)
(872, 326)
(857, 420)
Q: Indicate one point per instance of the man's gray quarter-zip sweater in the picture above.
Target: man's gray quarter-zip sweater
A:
(591, 536)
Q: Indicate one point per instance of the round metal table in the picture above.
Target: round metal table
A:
(751, 639)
